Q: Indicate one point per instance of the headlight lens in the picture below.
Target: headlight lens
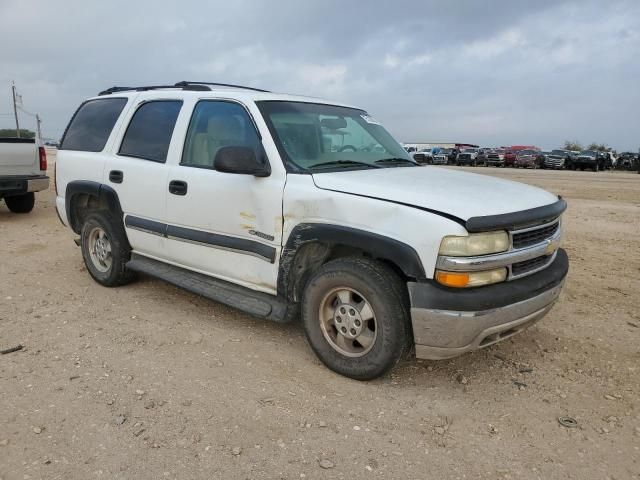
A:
(475, 244)
(471, 279)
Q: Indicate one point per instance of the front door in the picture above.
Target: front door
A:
(223, 224)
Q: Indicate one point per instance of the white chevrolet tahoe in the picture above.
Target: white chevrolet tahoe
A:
(290, 207)
(23, 168)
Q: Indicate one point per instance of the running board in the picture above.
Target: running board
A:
(255, 303)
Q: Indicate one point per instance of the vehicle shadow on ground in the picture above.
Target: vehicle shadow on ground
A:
(523, 350)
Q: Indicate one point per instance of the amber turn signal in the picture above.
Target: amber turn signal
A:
(471, 279)
(453, 279)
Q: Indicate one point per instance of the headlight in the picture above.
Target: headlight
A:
(475, 244)
(471, 279)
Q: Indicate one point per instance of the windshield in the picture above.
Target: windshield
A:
(558, 152)
(588, 153)
(446, 151)
(470, 150)
(313, 136)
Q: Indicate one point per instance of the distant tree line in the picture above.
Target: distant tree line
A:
(11, 132)
(573, 145)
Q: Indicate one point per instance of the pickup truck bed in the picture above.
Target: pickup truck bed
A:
(23, 166)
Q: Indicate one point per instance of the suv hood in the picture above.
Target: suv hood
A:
(461, 194)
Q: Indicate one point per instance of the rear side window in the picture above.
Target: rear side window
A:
(149, 132)
(91, 125)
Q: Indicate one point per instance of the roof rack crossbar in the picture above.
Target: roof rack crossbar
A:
(195, 87)
(185, 83)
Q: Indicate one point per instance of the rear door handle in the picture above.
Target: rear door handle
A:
(178, 187)
(116, 176)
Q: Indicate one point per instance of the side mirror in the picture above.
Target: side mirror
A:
(241, 160)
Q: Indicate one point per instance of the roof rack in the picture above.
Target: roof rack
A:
(188, 84)
(185, 86)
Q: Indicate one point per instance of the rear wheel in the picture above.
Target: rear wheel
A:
(21, 203)
(356, 317)
(105, 250)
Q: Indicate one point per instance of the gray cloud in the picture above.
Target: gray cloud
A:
(492, 72)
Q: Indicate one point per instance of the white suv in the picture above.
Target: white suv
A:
(290, 207)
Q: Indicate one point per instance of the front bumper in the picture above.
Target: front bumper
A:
(18, 185)
(448, 322)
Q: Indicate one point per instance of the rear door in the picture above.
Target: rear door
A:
(224, 224)
(137, 170)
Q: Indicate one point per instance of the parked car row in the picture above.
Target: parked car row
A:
(527, 156)
(628, 161)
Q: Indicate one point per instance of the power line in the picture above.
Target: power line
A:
(26, 112)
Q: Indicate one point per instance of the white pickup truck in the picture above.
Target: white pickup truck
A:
(23, 168)
(290, 208)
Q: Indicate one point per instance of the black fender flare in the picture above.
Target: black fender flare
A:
(103, 193)
(378, 246)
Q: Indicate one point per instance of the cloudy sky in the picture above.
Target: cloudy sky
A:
(489, 72)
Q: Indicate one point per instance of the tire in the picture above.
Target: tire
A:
(595, 168)
(357, 283)
(106, 258)
(21, 203)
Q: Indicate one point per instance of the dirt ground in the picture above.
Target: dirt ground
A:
(150, 382)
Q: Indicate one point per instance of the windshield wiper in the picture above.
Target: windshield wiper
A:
(396, 160)
(347, 163)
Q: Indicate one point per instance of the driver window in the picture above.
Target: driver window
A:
(217, 124)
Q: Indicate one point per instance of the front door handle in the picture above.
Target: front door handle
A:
(116, 176)
(178, 187)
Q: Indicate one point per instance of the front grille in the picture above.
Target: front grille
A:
(532, 237)
(464, 156)
(521, 268)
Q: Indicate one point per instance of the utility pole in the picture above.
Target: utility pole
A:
(15, 109)
(38, 122)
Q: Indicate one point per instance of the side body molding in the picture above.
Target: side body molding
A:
(378, 246)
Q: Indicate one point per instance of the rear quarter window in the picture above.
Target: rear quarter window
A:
(92, 123)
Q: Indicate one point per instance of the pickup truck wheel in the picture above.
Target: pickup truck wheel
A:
(105, 250)
(21, 203)
(355, 316)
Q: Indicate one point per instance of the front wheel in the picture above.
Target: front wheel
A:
(105, 250)
(356, 317)
(21, 203)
